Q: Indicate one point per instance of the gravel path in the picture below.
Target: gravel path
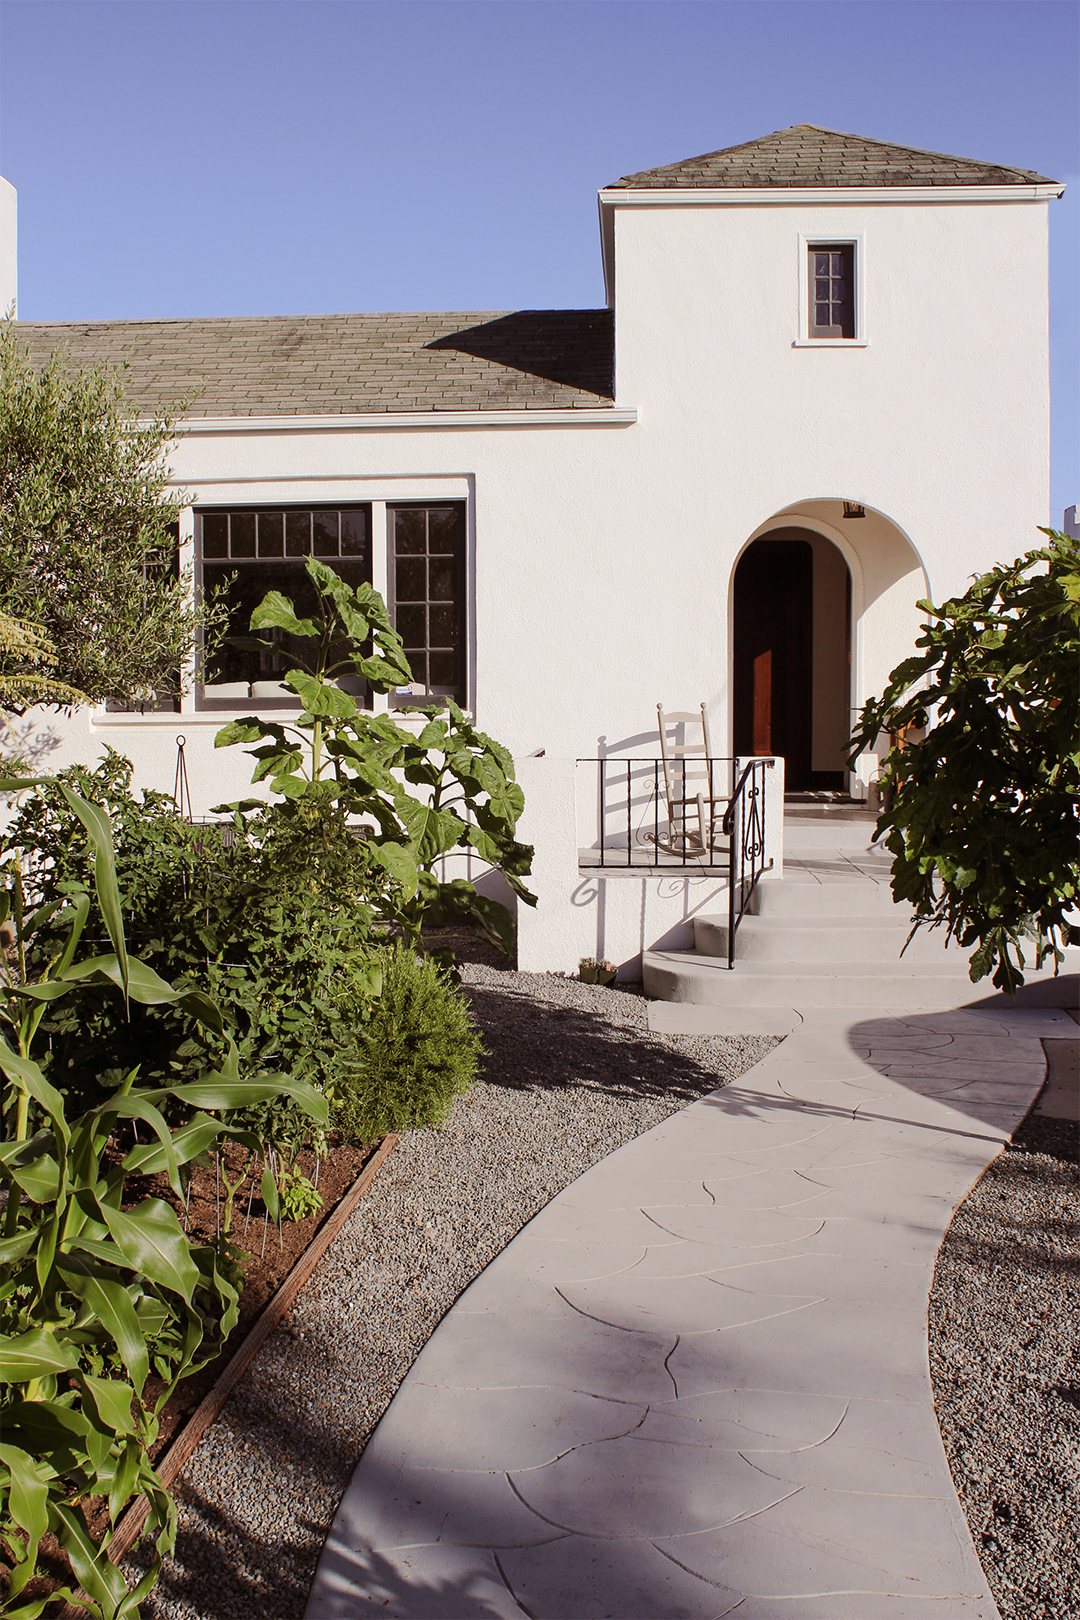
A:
(1004, 1315)
(573, 1073)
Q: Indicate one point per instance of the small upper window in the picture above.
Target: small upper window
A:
(832, 289)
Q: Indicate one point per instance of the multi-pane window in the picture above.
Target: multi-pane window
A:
(427, 587)
(252, 552)
(832, 289)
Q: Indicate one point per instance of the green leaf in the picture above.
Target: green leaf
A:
(269, 1190)
(152, 1241)
(26, 1073)
(104, 1251)
(128, 1468)
(112, 1402)
(45, 1428)
(217, 1091)
(432, 832)
(321, 697)
(101, 1580)
(27, 1506)
(48, 1233)
(13, 1248)
(97, 825)
(35, 1354)
(290, 787)
(200, 1133)
(109, 1302)
(238, 731)
(276, 612)
(399, 862)
(133, 1105)
(33, 1167)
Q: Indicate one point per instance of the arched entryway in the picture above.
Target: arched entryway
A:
(792, 656)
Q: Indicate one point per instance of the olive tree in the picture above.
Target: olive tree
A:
(88, 527)
(981, 784)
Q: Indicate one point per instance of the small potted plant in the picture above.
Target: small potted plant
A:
(592, 971)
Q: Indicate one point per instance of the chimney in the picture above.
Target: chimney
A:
(9, 270)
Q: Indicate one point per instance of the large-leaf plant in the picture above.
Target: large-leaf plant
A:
(982, 783)
(104, 1303)
(347, 761)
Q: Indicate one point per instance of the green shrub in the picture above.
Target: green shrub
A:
(419, 1051)
(981, 799)
(277, 928)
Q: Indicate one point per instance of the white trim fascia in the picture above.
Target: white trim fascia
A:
(407, 421)
(710, 196)
(607, 248)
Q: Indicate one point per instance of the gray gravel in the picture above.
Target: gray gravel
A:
(573, 1073)
(1004, 1322)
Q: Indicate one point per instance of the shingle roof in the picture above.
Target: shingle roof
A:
(345, 364)
(809, 155)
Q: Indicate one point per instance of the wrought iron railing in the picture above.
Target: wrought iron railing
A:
(709, 820)
(744, 827)
(631, 814)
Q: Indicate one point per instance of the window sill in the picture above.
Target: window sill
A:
(831, 343)
(102, 721)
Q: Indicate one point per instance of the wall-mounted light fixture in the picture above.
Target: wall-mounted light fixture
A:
(852, 509)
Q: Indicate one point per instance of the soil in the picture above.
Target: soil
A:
(269, 1255)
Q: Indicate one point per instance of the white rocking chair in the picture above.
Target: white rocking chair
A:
(694, 807)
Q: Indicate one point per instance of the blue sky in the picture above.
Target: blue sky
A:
(238, 157)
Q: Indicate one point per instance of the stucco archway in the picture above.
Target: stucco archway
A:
(870, 560)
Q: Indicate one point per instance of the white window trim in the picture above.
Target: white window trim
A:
(804, 340)
(432, 489)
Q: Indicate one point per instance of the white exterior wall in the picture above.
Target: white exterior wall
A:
(601, 556)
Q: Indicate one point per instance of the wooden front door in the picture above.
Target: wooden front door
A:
(774, 596)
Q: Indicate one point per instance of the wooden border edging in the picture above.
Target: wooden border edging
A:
(128, 1530)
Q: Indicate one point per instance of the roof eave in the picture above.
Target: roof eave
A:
(714, 196)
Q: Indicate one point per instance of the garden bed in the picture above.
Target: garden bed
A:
(276, 1262)
(270, 1255)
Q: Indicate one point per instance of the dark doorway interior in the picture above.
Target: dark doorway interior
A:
(774, 658)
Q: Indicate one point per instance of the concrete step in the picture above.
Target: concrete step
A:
(706, 981)
(806, 942)
(796, 898)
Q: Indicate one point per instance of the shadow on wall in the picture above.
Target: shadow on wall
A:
(27, 739)
(642, 907)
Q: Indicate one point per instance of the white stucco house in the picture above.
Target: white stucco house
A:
(818, 392)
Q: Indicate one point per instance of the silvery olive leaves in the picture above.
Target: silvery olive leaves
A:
(104, 1304)
(983, 780)
(350, 761)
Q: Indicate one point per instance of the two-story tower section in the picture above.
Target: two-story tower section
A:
(838, 348)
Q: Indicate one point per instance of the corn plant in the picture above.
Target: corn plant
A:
(103, 1308)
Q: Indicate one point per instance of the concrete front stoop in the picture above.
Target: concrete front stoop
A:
(827, 934)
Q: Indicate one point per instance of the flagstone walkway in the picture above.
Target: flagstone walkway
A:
(697, 1382)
